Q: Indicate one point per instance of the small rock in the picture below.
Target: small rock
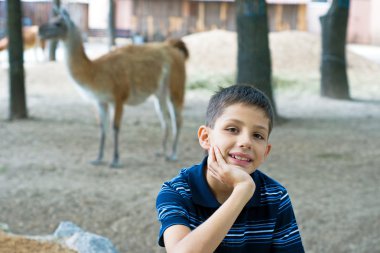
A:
(83, 242)
(4, 227)
(90, 243)
(66, 229)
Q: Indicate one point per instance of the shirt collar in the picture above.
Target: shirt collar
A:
(202, 194)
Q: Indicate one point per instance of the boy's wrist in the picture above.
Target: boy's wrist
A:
(245, 190)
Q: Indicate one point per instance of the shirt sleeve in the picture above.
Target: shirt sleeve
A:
(171, 210)
(286, 236)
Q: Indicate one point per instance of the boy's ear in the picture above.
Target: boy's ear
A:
(203, 137)
(267, 151)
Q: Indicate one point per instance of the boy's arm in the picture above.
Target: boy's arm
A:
(207, 237)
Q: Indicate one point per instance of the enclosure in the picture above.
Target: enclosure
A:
(326, 152)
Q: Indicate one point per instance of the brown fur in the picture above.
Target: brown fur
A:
(30, 39)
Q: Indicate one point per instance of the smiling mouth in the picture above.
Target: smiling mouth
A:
(241, 158)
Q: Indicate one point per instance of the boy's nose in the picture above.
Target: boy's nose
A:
(245, 141)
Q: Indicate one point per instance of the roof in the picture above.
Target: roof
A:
(287, 1)
(268, 1)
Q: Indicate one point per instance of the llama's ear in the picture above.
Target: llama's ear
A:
(65, 15)
(64, 12)
(56, 11)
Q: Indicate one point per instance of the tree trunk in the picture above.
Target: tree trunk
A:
(111, 24)
(53, 44)
(254, 60)
(334, 80)
(17, 98)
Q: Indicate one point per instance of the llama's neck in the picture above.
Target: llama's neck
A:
(76, 59)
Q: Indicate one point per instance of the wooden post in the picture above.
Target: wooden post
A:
(175, 24)
(186, 9)
(301, 17)
(134, 21)
(201, 17)
(223, 14)
(150, 27)
(278, 17)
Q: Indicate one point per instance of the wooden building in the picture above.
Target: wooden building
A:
(158, 19)
(155, 19)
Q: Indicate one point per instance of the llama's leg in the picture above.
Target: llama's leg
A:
(162, 113)
(42, 45)
(116, 127)
(176, 122)
(103, 120)
(35, 49)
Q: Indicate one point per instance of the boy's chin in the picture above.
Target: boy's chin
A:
(249, 170)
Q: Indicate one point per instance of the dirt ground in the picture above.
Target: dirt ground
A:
(327, 153)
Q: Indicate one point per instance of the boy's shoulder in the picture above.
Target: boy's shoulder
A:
(265, 179)
(181, 182)
(271, 191)
(183, 175)
(194, 172)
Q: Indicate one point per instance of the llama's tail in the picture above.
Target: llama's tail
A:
(179, 44)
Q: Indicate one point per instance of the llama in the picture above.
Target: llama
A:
(30, 39)
(126, 75)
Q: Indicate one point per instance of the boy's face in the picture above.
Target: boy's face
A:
(241, 133)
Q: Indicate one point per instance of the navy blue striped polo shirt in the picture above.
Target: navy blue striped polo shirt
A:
(266, 224)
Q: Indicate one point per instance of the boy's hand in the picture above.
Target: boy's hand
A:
(230, 175)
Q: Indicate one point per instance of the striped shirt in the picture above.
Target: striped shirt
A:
(266, 224)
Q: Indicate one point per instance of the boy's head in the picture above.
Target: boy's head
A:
(238, 94)
(238, 123)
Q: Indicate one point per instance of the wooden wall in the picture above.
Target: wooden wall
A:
(287, 17)
(159, 19)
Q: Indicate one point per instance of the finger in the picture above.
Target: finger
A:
(211, 156)
(212, 163)
(215, 174)
(218, 156)
(214, 166)
(212, 153)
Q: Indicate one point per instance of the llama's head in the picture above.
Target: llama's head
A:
(58, 27)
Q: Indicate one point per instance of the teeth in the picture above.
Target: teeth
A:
(241, 158)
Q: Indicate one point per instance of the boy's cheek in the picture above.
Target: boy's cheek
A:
(205, 145)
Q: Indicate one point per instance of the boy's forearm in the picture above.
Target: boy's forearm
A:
(210, 234)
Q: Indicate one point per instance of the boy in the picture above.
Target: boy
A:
(224, 204)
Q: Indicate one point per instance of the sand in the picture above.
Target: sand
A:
(327, 153)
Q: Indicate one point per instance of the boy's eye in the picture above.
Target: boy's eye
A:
(258, 136)
(232, 129)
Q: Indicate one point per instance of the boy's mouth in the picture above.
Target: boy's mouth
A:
(240, 157)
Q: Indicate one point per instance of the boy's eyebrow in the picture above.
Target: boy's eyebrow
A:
(261, 127)
(256, 126)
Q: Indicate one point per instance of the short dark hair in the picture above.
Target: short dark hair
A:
(238, 94)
